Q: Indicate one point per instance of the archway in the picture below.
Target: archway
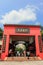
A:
(23, 41)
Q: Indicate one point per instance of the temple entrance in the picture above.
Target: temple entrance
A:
(22, 46)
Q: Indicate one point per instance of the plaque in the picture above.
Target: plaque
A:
(22, 30)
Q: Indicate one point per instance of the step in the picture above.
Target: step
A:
(22, 58)
(16, 58)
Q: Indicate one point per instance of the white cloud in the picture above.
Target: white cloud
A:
(23, 14)
(33, 7)
(37, 23)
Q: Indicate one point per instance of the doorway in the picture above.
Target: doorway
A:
(22, 46)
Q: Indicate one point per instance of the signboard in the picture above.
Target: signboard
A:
(22, 30)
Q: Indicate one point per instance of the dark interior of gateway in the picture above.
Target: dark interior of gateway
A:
(22, 46)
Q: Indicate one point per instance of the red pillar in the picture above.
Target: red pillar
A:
(7, 45)
(5, 53)
(37, 46)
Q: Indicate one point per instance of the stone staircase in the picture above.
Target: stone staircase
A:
(22, 58)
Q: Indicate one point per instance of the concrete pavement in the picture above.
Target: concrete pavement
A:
(21, 63)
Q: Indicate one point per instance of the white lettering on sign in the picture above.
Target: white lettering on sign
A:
(22, 30)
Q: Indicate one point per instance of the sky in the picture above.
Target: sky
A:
(29, 12)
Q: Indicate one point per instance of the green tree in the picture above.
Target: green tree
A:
(42, 32)
(42, 35)
(1, 32)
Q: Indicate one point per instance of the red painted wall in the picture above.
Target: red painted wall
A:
(10, 30)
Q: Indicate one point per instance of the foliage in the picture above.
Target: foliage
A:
(42, 32)
(20, 47)
(1, 32)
